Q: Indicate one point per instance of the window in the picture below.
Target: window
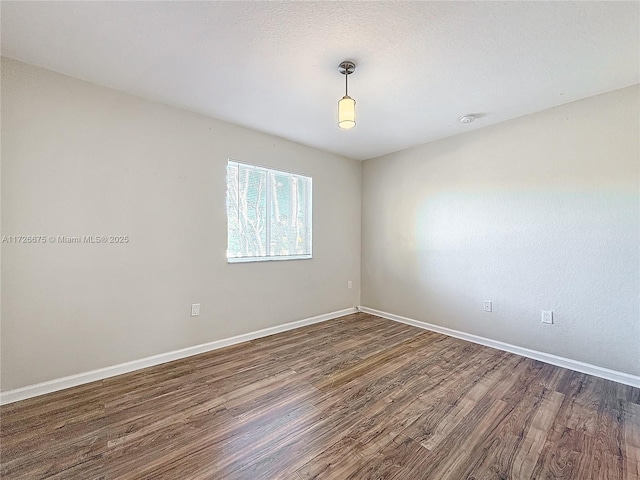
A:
(268, 214)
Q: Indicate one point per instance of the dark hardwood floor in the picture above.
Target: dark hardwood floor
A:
(357, 397)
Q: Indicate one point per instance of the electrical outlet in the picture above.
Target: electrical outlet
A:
(195, 309)
(488, 307)
(349, 284)
(547, 316)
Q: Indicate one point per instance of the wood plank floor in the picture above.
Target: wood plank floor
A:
(357, 397)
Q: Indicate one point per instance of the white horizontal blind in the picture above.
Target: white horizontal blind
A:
(268, 214)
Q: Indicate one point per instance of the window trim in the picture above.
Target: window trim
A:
(276, 258)
(309, 213)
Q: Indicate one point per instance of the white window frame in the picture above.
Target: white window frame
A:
(309, 214)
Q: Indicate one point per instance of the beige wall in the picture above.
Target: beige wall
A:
(79, 159)
(541, 212)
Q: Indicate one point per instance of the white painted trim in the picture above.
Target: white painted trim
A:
(29, 391)
(576, 365)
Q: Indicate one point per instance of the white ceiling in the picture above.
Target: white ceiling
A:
(272, 66)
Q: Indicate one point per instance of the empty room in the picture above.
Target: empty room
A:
(293, 240)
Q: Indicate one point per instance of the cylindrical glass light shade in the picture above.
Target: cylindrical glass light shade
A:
(347, 112)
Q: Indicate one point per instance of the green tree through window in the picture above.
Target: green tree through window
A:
(268, 214)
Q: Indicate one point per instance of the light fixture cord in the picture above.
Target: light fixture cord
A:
(346, 81)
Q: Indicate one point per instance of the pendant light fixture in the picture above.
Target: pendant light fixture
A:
(346, 105)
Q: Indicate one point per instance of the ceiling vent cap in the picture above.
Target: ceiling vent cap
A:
(467, 118)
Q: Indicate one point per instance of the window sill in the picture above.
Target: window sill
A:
(268, 259)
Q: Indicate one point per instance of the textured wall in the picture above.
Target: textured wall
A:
(541, 212)
(81, 159)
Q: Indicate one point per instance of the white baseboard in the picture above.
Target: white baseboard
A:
(29, 391)
(576, 365)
